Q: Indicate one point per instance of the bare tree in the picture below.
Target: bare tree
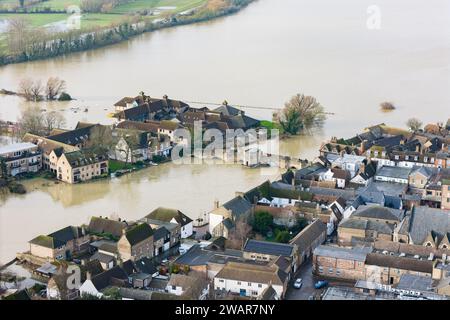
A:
(239, 234)
(101, 136)
(300, 112)
(414, 124)
(36, 90)
(54, 87)
(25, 87)
(17, 34)
(31, 121)
(52, 120)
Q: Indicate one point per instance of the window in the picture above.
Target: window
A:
(174, 287)
(254, 293)
(260, 285)
(239, 283)
(338, 272)
(249, 284)
(221, 280)
(320, 269)
(330, 270)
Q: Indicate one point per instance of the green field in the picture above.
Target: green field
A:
(94, 20)
(36, 19)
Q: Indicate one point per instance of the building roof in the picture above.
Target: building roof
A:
(138, 233)
(394, 172)
(309, 234)
(73, 137)
(48, 145)
(227, 110)
(267, 247)
(355, 254)
(425, 220)
(378, 212)
(146, 265)
(160, 233)
(366, 224)
(108, 226)
(404, 263)
(167, 215)
(415, 282)
(58, 238)
(108, 277)
(253, 273)
(81, 158)
(238, 206)
(16, 147)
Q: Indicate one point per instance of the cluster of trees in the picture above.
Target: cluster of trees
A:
(299, 113)
(34, 121)
(35, 90)
(26, 43)
(263, 224)
(414, 124)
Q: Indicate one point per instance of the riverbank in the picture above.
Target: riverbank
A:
(100, 36)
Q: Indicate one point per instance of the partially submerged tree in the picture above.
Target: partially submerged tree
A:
(54, 88)
(414, 124)
(32, 121)
(299, 113)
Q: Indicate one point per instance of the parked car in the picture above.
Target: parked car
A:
(320, 284)
(298, 283)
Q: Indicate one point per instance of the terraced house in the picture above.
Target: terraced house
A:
(21, 158)
(82, 165)
(136, 243)
(61, 244)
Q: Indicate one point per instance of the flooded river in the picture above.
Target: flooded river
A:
(260, 56)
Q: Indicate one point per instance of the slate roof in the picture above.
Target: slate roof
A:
(47, 145)
(151, 126)
(309, 234)
(146, 265)
(160, 233)
(415, 282)
(109, 277)
(227, 110)
(86, 157)
(58, 238)
(238, 206)
(167, 214)
(48, 242)
(425, 220)
(366, 224)
(73, 137)
(394, 172)
(103, 225)
(404, 263)
(355, 254)
(270, 248)
(139, 233)
(378, 212)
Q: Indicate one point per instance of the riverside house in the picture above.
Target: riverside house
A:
(21, 158)
(61, 244)
(82, 165)
(161, 216)
(136, 243)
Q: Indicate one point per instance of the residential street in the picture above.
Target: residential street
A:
(307, 289)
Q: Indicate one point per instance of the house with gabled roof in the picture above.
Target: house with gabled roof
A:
(250, 280)
(106, 227)
(94, 285)
(136, 242)
(82, 165)
(161, 216)
(222, 218)
(61, 244)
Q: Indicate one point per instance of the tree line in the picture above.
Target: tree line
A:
(25, 43)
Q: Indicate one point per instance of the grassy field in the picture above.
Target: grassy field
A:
(36, 19)
(56, 4)
(94, 20)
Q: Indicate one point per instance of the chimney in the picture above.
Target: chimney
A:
(88, 275)
(417, 148)
(216, 204)
(165, 97)
(239, 194)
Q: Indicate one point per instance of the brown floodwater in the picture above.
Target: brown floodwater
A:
(260, 56)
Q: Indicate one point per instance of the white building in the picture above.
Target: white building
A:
(250, 280)
(21, 158)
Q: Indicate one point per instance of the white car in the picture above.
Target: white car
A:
(298, 283)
